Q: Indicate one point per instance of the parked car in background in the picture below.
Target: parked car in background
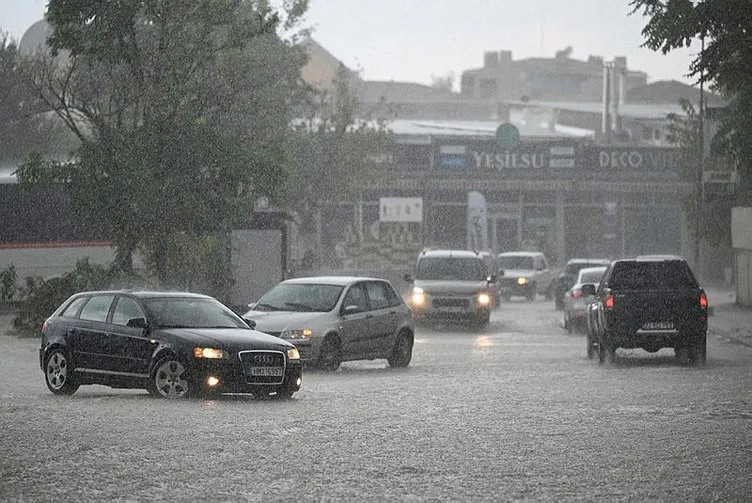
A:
(575, 302)
(568, 276)
(452, 285)
(526, 274)
(172, 344)
(332, 319)
(648, 303)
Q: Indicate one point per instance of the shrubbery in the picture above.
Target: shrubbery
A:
(40, 297)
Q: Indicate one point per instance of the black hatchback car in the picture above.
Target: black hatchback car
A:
(172, 344)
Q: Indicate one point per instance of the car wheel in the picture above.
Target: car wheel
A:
(591, 347)
(698, 351)
(568, 323)
(609, 353)
(330, 357)
(58, 373)
(559, 303)
(170, 379)
(402, 352)
(531, 294)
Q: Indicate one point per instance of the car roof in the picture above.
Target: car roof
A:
(330, 280)
(145, 294)
(521, 254)
(589, 261)
(449, 254)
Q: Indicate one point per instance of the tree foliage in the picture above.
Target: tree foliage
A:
(333, 154)
(725, 26)
(181, 109)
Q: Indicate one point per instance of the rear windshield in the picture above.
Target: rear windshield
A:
(516, 263)
(593, 276)
(463, 269)
(666, 275)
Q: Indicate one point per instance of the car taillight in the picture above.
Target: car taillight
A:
(608, 303)
(703, 300)
(45, 326)
(576, 294)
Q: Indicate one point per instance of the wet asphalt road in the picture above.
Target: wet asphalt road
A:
(514, 411)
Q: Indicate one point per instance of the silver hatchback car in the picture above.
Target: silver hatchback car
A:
(331, 319)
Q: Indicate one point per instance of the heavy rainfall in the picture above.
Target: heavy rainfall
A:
(336, 250)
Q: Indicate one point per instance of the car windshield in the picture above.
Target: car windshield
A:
(515, 262)
(300, 297)
(590, 275)
(191, 312)
(451, 268)
(666, 275)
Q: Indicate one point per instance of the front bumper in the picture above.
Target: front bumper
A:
(233, 377)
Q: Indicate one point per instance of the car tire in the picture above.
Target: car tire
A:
(532, 293)
(568, 323)
(330, 357)
(609, 354)
(171, 379)
(592, 349)
(698, 351)
(402, 352)
(58, 373)
(559, 303)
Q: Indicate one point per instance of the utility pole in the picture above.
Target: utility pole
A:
(700, 169)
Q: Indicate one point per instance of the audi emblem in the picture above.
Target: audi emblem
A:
(265, 359)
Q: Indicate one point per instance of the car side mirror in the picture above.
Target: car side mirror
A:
(251, 306)
(408, 277)
(588, 289)
(491, 278)
(351, 309)
(137, 323)
(500, 273)
(251, 324)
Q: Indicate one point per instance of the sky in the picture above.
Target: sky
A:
(418, 40)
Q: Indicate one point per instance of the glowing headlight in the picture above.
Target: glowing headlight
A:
(304, 333)
(522, 281)
(418, 297)
(484, 299)
(211, 353)
(293, 354)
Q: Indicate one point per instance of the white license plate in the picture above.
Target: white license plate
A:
(266, 371)
(658, 325)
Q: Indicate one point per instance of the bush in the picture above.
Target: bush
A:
(8, 280)
(40, 297)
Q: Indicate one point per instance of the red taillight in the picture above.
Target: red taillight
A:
(703, 300)
(576, 294)
(609, 302)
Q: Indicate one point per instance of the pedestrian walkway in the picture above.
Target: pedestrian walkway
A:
(729, 319)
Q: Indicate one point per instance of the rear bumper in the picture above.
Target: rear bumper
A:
(655, 339)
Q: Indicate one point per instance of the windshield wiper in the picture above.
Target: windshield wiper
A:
(299, 306)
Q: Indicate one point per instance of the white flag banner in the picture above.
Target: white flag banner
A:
(477, 222)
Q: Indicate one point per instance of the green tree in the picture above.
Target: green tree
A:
(182, 112)
(333, 155)
(725, 63)
(24, 126)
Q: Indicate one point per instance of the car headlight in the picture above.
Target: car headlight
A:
(303, 333)
(522, 281)
(484, 299)
(293, 354)
(418, 297)
(210, 353)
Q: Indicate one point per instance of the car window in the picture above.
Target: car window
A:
(356, 296)
(377, 295)
(391, 295)
(72, 310)
(512, 262)
(590, 276)
(126, 309)
(451, 268)
(97, 307)
(191, 312)
(300, 297)
(666, 275)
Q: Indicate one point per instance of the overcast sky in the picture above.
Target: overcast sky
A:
(414, 40)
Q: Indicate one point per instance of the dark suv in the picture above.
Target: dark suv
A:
(172, 344)
(649, 303)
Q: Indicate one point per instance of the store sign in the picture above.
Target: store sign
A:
(526, 157)
(401, 209)
(619, 159)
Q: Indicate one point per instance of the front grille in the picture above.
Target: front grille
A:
(508, 282)
(451, 302)
(263, 367)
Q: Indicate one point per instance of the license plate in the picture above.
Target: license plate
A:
(266, 371)
(658, 325)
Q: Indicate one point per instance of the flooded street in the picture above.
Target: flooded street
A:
(514, 411)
